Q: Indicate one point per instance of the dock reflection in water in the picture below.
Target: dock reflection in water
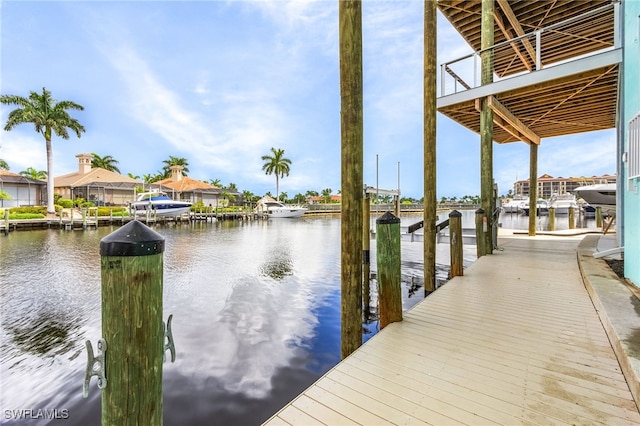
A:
(256, 310)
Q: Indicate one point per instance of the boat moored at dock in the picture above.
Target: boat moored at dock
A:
(158, 203)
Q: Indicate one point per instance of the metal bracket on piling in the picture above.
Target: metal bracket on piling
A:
(169, 342)
(95, 366)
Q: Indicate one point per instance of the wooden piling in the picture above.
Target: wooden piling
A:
(455, 244)
(486, 123)
(552, 218)
(351, 135)
(131, 261)
(533, 187)
(6, 221)
(572, 218)
(429, 150)
(366, 256)
(598, 217)
(480, 226)
(388, 273)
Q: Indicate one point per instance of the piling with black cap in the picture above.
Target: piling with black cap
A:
(388, 275)
(552, 219)
(455, 246)
(132, 261)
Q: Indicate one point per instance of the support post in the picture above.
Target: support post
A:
(131, 264)
(455, 240)
(430, 113)
(552, 218)
(480, 224)
(388, 264)
(533, 188)
(6, 221)
(486, 124)
(366, 256)
(572, 218)
(598, 217)
(351, 135)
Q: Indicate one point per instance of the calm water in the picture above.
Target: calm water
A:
(256, 310)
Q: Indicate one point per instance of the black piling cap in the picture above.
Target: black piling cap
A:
(479, 211)
(387, 218)
(133, 239)
(455, 213)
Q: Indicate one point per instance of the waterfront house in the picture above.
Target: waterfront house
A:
(181, 187)
(23, 191)
(103, 187)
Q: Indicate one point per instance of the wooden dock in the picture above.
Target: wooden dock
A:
(516, 340)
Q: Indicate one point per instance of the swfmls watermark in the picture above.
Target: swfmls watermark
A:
(33, 414)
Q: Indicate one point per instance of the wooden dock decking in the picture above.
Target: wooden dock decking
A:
(516, 340)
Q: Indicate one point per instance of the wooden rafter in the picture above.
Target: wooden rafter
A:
(507, 34)
(513, 20)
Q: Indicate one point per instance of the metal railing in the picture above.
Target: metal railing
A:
(464, 73)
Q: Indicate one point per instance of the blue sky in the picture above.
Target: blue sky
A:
(220, 83)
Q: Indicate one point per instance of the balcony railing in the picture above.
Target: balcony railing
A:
(587, 34)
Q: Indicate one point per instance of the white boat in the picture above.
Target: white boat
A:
(515, 204)
(600, 195)
(276, 209)
(563, 202)
(158, 203)
(542, 207)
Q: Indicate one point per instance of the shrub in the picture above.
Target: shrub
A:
(65, 203)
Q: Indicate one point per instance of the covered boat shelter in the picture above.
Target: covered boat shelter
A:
(553, 70)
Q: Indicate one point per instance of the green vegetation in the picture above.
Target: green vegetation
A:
(276, 164)
(107, 162)
(48, 116)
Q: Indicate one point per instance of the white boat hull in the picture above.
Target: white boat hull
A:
(160, 210)
(601, 195)
(286, 212)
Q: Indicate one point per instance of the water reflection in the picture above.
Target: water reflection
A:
(46, 334)
(256, 310)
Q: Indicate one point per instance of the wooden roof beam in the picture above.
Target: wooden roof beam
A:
(507, 34)
(511, 123)
(513, 20)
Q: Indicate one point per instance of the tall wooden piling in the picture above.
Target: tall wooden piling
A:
(131, 261)
(481, 225)
(351, 135)
(455, 244)
(430, 113)
(388, 264)
(366, 255)
(533, 187)
(486, 123)
(598, 217)
(552, 218)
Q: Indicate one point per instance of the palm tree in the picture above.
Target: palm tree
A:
(132, 176)
(48, 116)
(107, 162)
(175, 161)
(277, 165)
(34, 174)
(326, 194)
(3, 165)
(215, 182)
